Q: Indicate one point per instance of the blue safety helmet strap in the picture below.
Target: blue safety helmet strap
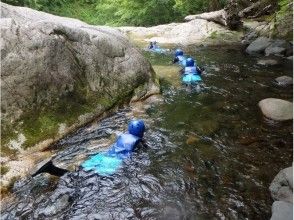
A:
(137, 128)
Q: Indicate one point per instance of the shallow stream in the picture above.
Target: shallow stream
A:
(210, 154)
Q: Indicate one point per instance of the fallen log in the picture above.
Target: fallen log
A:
(227, 17)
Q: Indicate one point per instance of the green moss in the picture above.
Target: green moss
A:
(3, 169)
(41, 124)
(213, 35)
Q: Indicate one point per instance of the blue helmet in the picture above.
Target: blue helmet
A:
(190, 62)
(137, 128)
(179, 52)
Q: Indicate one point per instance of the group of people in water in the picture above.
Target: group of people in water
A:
(107, 163)
(191, 73)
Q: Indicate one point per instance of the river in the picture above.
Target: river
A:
(210, 154)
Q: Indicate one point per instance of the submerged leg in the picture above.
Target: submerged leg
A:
(50, 168)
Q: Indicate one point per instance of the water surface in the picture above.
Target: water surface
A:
(210, 155)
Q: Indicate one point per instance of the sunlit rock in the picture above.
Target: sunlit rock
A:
(276, 109)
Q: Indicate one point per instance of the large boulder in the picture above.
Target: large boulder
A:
(196, 31)
(281, 187)
(278, 47)
(276, 109)
(61, 70)
(258, 46)
(282, 211)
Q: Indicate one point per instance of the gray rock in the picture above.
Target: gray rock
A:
(282, 211)
(284, 80)
(276, 109)
(258, 46)
(290, 58)
(250, 37)
(47, 59)
(273, 50)
(280, 43)
(196, 31)
(268, 62)
(281, 187)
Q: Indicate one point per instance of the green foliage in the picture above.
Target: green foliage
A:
(44, 5)
(284, 7)
(123, 12)
(187, 7)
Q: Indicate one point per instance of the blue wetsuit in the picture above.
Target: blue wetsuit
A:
(107, 163)
(191, 75)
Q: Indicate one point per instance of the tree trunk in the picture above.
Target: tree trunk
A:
(227, 17)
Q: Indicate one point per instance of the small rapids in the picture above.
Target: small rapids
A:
(210, 154)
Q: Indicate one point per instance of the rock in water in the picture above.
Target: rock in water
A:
(284, 80)
(281, 187)
(258, 46)
(282, 211)
(274, 50)
(191, 140)
(268, 62)
(276, 109)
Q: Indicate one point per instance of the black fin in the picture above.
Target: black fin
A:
(50, 168)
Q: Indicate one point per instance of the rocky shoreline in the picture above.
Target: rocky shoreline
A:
(281, 190)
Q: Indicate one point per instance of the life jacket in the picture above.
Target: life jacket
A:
(124, 145)
(182, 60)
(191, 69)
(107, 163)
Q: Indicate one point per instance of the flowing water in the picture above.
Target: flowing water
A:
(210, 154)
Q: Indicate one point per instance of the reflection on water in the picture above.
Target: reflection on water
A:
(210, 155)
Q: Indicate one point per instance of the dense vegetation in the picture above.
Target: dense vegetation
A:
(131, 12)
(123, 12)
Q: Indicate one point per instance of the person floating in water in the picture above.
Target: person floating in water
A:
(153, 45)
(179, 57)
(191, 76)
(150, 46)
(192, 67)
(106, 163)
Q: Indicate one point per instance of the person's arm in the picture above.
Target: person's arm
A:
(176, 60)
(182, 71)
(199, 69)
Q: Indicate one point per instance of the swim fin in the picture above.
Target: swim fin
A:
(50, 168)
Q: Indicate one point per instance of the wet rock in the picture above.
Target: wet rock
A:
(284, 80)
(268, 62)
(249, 38)
(282, 211)
(57, 206)
(290, 58)
(258, 46)
(192, 139)
(271, 50)
(171, 213)
(281, 187)
(276, 109)
(248, 140)
(50, 60)
(207, 127)
(278, 47)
